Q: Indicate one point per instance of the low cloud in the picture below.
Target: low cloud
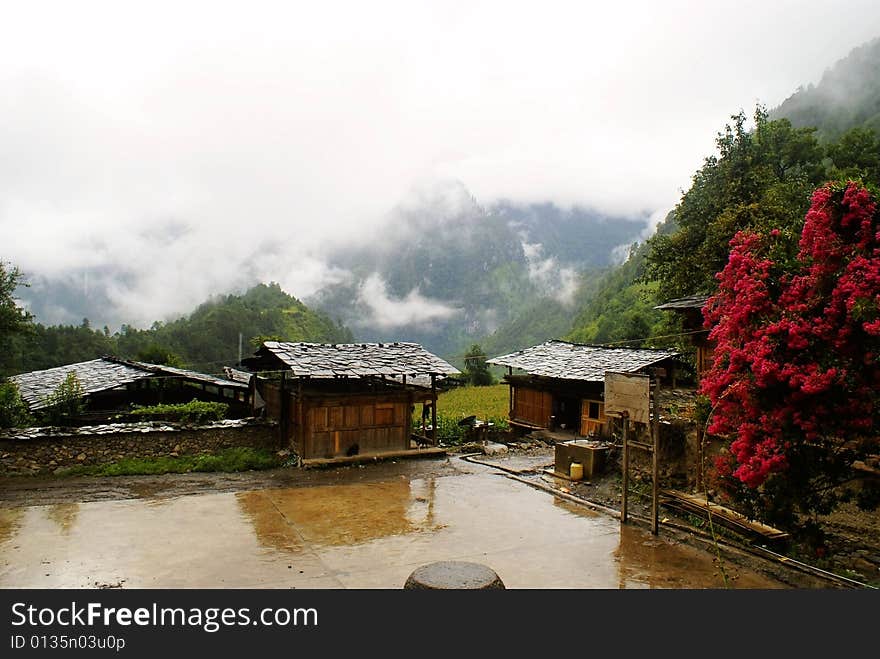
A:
(552, 279)
(388, 312)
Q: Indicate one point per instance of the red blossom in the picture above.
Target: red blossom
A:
(796, 345)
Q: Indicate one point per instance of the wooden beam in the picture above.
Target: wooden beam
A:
(655, 466)
(434, 409)
(625, 461)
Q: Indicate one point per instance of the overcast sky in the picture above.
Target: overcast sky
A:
(203, 145)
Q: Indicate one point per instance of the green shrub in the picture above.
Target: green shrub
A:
(13, 410)
(64, 403)
(195, 411)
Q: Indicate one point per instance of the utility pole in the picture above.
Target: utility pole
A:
(239, 349)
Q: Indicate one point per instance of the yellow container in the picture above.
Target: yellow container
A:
(576, 471)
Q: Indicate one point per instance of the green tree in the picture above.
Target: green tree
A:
(13, 410)
(475, 367)
(761, 179)
(65, 403)
(14, 320)
(156, 354)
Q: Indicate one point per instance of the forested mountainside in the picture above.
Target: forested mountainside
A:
(207, 339)
(847, 96)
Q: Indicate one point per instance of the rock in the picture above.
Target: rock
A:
(453, 575)
(81, 457)
(494, 449)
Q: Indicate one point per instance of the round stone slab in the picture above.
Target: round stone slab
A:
(453, 575)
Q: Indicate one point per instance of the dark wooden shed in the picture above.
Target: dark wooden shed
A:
(691, 310)
(563, 384)
(111, 384)
(338, 401)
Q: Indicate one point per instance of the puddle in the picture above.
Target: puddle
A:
(361, 535)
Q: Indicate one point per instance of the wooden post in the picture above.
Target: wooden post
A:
(655, 488)
(433, 409)
(625, 470)
(283, 405)
(300, 421)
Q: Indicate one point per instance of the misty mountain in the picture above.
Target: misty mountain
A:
(847, 96)
(206, 339)
(447, 271)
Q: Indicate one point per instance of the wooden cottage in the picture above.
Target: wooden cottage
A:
(691, 310)
(337, 401)
(563, 384)
(111, 385)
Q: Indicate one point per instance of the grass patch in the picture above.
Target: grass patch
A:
(489, 403)
(232, 459)
(492, 402)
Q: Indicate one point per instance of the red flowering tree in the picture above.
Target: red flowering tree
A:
(795, 378)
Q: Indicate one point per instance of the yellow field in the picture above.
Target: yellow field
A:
(485, 402)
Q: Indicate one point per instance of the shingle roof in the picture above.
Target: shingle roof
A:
(689, 302)
(94, 376)
(576, 361)
(357, 359)
(237, 375)
(100, 375)
(162, 369)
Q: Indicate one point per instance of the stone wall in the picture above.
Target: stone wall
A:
(47, 450)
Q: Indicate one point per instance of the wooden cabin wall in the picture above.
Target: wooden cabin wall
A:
(361, 425)
(532, 406)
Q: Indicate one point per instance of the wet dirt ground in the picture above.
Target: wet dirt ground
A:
(353, 527)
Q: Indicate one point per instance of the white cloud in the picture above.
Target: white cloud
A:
(300, 125)
(413, 309)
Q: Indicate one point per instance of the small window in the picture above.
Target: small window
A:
(594, 410)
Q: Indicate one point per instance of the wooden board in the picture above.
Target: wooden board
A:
(724, 516)
(628, 394)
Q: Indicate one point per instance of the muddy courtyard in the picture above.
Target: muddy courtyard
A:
(363, 526)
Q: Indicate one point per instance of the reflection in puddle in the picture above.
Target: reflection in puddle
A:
(360, 535)
(646, 561)
(10, 522)
(64, 515)
(337, 515)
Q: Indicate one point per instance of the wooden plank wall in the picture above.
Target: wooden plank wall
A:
(532, 406)
(376, 426)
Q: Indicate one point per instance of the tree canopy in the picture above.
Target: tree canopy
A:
(761, 179)
(476, 370)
